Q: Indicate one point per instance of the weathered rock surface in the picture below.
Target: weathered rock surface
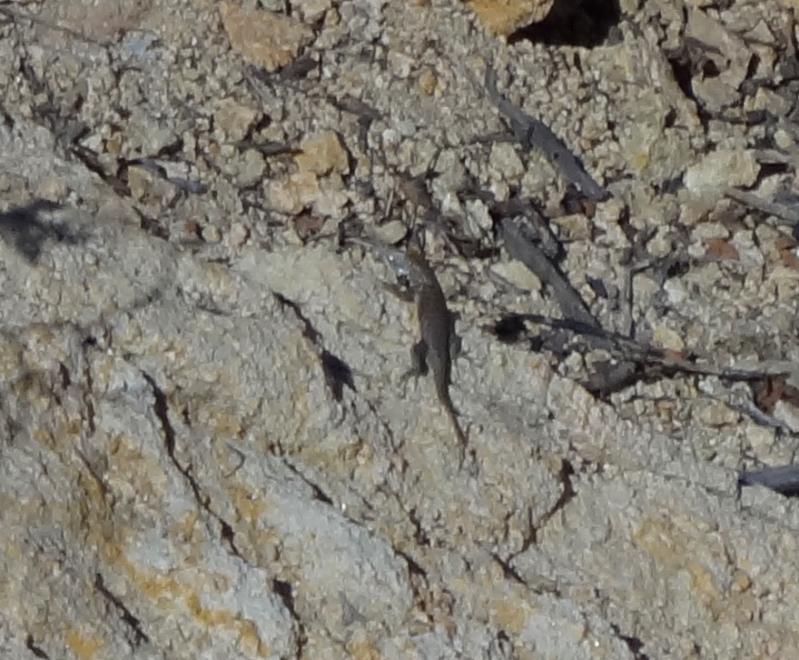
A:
(207, 446)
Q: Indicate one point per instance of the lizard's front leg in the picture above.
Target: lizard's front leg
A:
(418, 364)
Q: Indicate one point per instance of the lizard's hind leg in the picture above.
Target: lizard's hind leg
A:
(418, 364)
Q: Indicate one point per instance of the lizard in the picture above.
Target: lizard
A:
(437, 342)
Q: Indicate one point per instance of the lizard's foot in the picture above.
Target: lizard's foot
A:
(456, 351)
(419, 366)
(405, 377)
(419, 359)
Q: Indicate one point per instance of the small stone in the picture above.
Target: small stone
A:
(332, 198)
(695, 210)
(645, 287)
(517, 274)
(707, 230)
(783, 139)
(727, 50)
(478, 214)
(716, 414)
(147, 188)
(788, 414)
(113, 145)
(267, 39)
(575, 227)
(323, 153)
(786, 282)
(501, 17)
(211, 234)
(667, 338)
(504, 160)
(154, 137)
(307, 225)
(234, 120)
(740, 581)
(391, 232)
(313, 10)
(251, 168)
(720, 169)
(675, 290)
(661, 243)
(766, 99)
(292, 194)
(400, 64)
(761, 440)
(238, 235)
(427, 82)
(720, 248)
(53, 189)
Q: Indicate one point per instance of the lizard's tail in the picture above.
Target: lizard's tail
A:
(453, 418)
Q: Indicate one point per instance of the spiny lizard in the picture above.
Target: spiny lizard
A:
(438, 341)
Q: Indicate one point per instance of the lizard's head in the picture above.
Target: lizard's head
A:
(416, 267)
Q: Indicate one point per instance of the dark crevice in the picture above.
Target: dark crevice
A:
(633, 643)
(318, 493)
(91, 161)
(419, 534)
(414, 568)
(161, 410)
(35, 650)
(508, 571)
(97, 477)
(66, 381)
(681, 70)
(566, 495)
(151, 225)
(285, 592)
(139, 636)
(88, 388)
(583, 23)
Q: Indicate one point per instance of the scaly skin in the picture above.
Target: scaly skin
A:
(436, 324)
(437, 330)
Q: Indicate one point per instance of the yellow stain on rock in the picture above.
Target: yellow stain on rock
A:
(640, 160)
(501, 17)
(670, 547)
(250, 640)
(363, 649)
(84, 646)
(510, 614)
(226, 425)
(166, 592)
(247, 632)
(249, 509)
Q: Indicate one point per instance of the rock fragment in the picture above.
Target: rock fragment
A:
(720, 169)
(323, 153)
(502, 17)
(267, 39)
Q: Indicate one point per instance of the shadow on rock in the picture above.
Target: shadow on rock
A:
(23, 228)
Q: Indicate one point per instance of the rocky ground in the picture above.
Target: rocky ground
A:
(207, 445)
